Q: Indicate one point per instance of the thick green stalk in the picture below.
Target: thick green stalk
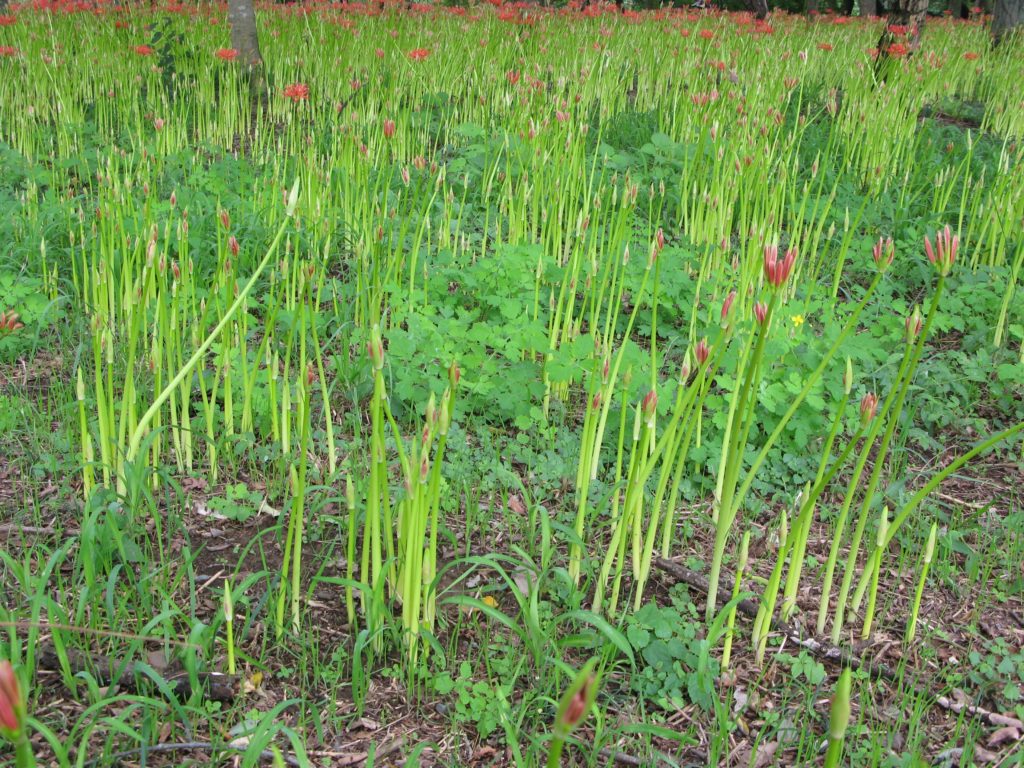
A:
(140, 428)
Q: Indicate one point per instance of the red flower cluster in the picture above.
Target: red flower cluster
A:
(418, 54)
(824, 46)
(226, 54)
(143, 50)
(707, 34)
(970, 56)
(6, 21)
(898, 30)
(8, 51)
(296, 92)
(897, 50)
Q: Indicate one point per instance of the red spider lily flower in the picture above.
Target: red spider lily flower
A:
(379, 53)
(158, 123)
(943, 256)
(561, 116)
(776, 271)
(226, 54)
(233, 246)
(7, 51)
(868, 407)
(897, 50)
(824, 46)
(419, 54)
(389, 128)
(512, 76)
(883, 252)
(899, 30)
(296, 92)
(970, 56)
(707, 34)
(727, 306)
(225, 219)
(790, 83)
(6, 21)
(760, 312)
(143, 50)
(11, 710)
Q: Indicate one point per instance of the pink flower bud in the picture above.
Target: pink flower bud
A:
(776, 271)
(913, 324)
(727, 306)
(760, 312)
(225, 219)
(883, 253)
(868, 407)
(233, 245)
(701, 351)
(10, 699)
(650, 407)
(944, 253)
(389, 128)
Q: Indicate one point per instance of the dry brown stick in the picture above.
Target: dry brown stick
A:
(9, 528)
(749, 608)
(215, 686)
(992, 718)
(831, 652)
(203, 746)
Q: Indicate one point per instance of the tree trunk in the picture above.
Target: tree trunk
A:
(868, 8)
(3, 5)
(955, 8)
(909, 16)
(1007, 17)
(245, 39)
(757, 7)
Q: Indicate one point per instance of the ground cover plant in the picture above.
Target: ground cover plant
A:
(509, 385)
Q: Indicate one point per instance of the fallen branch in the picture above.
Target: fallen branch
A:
(749, 608)
(107, 671)
(191, 746)
(832, 652)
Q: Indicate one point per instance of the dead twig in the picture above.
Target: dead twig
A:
(107, 671)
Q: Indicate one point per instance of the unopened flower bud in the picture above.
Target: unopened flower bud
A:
(727, 306)
(913, 324)
(650, 407)
(701, 351)
(868, 407)
(760, 312)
